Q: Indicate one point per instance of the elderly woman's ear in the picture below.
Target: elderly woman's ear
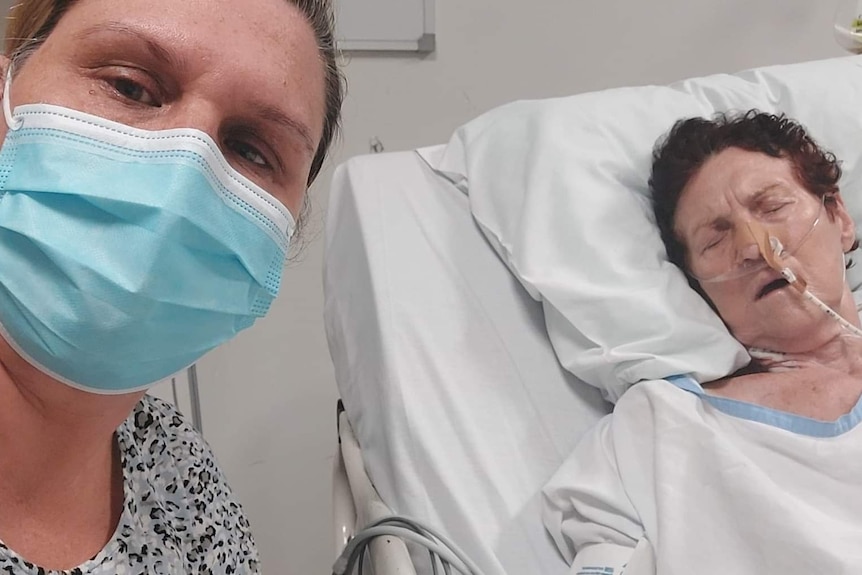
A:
(838, 210)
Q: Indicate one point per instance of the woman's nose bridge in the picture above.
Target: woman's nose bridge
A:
(745, 243)
(198, 114)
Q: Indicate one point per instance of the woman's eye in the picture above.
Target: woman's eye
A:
(133, 91)
(712, 243)
(248, 152)
(774, 208)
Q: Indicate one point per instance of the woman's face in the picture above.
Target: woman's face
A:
(246, 73)
(734, 193)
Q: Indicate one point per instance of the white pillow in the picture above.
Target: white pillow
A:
(560, 189)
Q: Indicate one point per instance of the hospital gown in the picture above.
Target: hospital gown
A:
(710, 485)
(179, 515)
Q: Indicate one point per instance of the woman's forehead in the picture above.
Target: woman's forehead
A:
(739, 175)
(740, 172)
(269, 22)
(267, 47)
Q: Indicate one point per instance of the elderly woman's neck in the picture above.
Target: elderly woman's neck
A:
(842, 353)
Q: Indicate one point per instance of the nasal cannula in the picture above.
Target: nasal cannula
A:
(772, 251)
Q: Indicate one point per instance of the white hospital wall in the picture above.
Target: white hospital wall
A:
(269, 396)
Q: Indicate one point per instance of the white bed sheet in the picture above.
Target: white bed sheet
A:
(444, 364)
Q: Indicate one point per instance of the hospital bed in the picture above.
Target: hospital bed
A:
(447, 371)
(455, 347)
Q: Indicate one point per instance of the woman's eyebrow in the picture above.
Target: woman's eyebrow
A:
(712, 221)
(163, 53)
(758, 195)
(709, 223)
(275, 115)
(172, 58)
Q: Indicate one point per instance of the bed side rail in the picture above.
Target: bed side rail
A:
(356, 504)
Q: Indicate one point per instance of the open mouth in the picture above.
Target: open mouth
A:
(771, 287)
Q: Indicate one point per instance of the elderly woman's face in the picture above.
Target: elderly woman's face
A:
(735, 189)
(247, 73)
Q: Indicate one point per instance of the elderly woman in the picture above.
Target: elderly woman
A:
(155, 156)
(760, 472)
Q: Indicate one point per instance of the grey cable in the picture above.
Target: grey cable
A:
(438, 546)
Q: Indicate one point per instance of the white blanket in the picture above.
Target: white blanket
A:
(712, 486)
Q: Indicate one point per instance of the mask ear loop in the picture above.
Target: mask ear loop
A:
(11, 122)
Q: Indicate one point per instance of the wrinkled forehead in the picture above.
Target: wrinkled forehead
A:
(735, 179)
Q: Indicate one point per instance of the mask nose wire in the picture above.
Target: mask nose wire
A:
(11, 123)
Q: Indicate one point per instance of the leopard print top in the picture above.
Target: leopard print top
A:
(179, 514)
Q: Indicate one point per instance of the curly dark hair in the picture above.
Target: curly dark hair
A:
(691, 142)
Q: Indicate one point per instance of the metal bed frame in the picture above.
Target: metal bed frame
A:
(356, 504)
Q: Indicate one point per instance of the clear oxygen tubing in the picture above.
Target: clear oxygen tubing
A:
(746, 267)
(773, 252)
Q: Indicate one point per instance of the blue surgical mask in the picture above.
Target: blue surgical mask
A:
(127, 254)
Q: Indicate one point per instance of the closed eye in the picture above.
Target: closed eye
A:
(713, 243)
(774, 209)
